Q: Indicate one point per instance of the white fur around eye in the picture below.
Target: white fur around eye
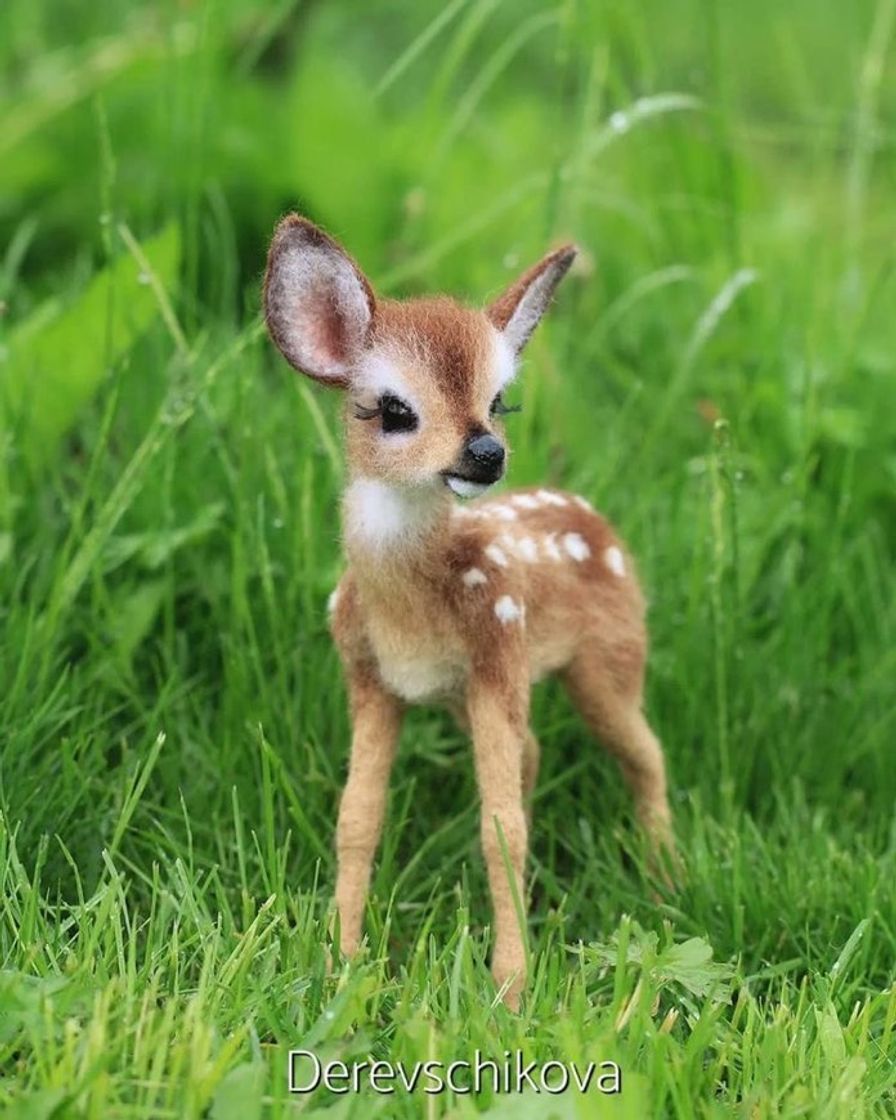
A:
(378, 375)
(504, 363)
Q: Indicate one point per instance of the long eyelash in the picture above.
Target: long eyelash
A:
(363, 413)
(499, 408)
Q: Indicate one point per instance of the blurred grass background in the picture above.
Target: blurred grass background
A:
(717, 376)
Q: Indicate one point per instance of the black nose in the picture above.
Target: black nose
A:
(483, 458)
(485, 449)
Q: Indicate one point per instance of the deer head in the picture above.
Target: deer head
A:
(424, 378)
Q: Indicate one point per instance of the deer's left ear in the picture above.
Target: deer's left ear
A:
(517, 312)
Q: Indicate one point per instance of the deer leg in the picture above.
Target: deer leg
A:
(498, 741)
(376, 721)
(616, 718)
(531, 756)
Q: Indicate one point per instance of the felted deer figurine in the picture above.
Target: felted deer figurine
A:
(460, 605)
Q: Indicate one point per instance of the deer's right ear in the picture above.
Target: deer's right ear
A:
(318, 306)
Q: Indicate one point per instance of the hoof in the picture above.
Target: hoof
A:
(509, 973)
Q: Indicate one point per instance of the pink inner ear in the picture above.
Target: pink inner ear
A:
(318, 305)
(517, 311)
(325, 329)
(327, 315)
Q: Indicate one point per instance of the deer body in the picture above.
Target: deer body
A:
(537, 559)
(460, 605)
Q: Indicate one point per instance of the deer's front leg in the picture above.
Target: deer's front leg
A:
(376, 720)
(497, 713)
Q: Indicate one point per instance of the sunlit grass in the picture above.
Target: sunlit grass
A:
(717, 376)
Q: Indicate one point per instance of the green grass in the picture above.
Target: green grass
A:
(718, 376)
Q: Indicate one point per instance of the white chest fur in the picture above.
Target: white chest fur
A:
(413, 666)
(417, 659)
(382, 521)
(380, 517)
(419, 680)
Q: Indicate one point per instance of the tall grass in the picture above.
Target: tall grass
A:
(718, 377)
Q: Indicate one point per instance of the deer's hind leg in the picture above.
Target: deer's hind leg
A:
(607, 688)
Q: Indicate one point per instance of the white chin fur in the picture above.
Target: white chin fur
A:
(466, 489)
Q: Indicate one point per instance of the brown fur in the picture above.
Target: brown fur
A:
(448, 340)
(467, 607)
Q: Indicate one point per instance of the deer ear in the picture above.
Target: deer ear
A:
(318, 306)
(517, 312)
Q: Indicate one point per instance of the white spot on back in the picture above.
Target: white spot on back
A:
(333, 600)
(526, 501)
(508, 610)
(583, 502)
(614, 560)
(551, 548)
(506, 513)
(549, 498)
(496, 555)
(527, 549)
(473, 577)
(577, 547)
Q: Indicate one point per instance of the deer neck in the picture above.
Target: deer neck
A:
(394, 531)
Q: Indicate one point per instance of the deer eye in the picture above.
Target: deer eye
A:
(397, 416)
(499, 408)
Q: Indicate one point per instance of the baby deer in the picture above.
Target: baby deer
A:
(460, 605)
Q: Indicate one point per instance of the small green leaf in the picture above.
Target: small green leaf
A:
(690, 964)
(57, 359)
(239, 1094)
(830, 1035)
(156, 546)
(135, 612)
(45, 1104)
